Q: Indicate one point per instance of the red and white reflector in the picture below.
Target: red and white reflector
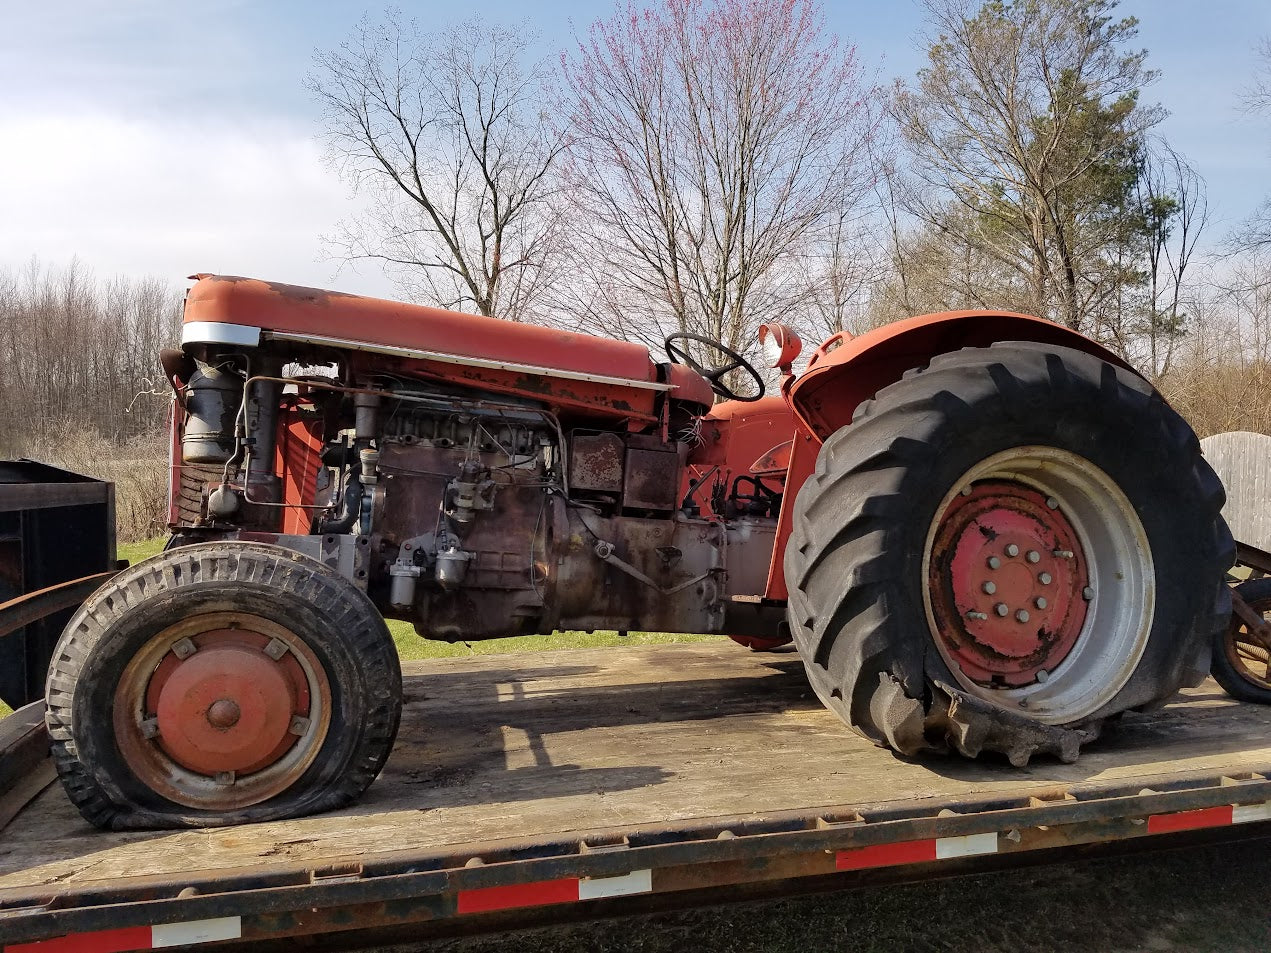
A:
(137, 938)
(544, 892)
(916, 851)
(1219, 816)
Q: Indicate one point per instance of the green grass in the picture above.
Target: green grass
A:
(411, 646)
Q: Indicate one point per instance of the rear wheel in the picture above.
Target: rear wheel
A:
(1004, 549)
(221, 683)
(1242, 664)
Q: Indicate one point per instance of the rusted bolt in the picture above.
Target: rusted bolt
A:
(1062, 553)
(990, 588)
(1012, 550)
(1052, 502)
(299, 725)
(184, 649)
(1001, 609)
(1043, 676)
(224, 778)
(977, 616)
(1044, 578)
(149, 728)
(994, 562)
(1040, 602)
(1021, 616)
(1087, 593)
(966, 490)
(276, 649)
(1033, 556)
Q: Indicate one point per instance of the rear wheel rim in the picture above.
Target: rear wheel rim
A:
(222, 711)
(1049, 537)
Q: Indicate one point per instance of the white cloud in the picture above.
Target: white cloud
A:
(168, 198)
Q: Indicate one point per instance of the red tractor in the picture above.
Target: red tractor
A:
(982, 531)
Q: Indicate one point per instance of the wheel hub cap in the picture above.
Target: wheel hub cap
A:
(1009, 583)
(227, 706)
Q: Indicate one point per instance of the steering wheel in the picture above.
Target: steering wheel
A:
(680, 355)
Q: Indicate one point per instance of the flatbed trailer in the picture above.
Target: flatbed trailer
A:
(587, 783)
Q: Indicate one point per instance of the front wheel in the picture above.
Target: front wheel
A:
(1004, 549)
(221, 683)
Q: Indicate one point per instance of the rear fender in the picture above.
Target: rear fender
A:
(844, 371)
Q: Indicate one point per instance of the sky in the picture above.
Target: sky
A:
(164, 137)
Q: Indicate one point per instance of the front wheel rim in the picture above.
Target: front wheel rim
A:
(222, 711)
(1074, 574)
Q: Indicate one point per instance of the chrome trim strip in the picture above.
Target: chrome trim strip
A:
(215, 332)
(462, 359)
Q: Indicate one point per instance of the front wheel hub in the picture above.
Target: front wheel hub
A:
(1009, 583)
(222, 711)
(228, 707)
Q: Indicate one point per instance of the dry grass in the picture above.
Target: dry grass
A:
(138, 468)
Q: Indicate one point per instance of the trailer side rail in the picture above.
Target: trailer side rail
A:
(414, 888)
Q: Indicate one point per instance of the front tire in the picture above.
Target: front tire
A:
(221, 683)
(1004, 549)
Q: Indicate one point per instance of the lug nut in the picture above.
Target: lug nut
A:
(1087, 593)
(1033, 556)
(1039, 602)
(1052, 502)
(1043, 676)
(1001, 609)
(990, 588)
(1062, 553)
(1044, 578)
(1022, 615)
(966, 491)
(1012, 550)
(994, 562)
(976, 616)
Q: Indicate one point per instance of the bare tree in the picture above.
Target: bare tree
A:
(1255, 232)
(713, 142)
(445, 137)
(1026, 128)
(1171, 201)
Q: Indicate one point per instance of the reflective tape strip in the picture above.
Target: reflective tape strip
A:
(886, 855)
(1190, 820)
(538, 894)
(544, 892)
(969, 845)
(593, 888)
(137, 938)
(101, 941)
(196, 931)
(1244, 813)
(916, 851)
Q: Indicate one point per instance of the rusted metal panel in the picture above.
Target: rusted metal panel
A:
(55, 526)
(595, 462)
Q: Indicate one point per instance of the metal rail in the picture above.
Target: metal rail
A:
(924, 839)
(33, 606)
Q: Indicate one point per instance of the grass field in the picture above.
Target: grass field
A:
(411, 646)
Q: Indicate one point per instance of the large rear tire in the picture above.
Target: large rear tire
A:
(1004, 549)
(221, 683)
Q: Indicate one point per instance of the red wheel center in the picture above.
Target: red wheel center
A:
(228, 706)
(1008, 584)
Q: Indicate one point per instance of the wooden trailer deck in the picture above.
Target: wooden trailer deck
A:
(503, 749)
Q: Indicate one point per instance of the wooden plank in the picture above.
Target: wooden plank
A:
(554, 744)
(1242, 461)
